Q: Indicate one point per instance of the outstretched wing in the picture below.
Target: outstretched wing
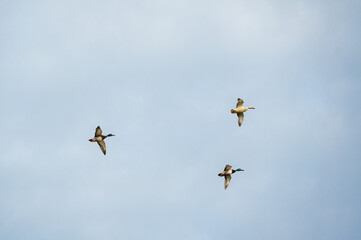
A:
(228, 167)
(98, 132)
(240, 118)
(102, 146)
(239, 103)
(227, 180)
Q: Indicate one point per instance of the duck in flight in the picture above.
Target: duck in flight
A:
(228, 171)
(99, 138)
(240, 109)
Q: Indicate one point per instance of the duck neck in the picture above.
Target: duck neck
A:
(109, 135)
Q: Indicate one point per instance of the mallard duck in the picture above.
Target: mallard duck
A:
(99, 138)
(227, 174)
(240, 109)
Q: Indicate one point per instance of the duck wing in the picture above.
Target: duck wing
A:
(102, 146)
(239, 103)
(98, 132)
(227, 180)
(240, 118)
(228, 167)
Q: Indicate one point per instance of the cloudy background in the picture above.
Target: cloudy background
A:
(162, 76)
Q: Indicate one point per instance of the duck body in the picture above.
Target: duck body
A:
(227, 172)
(240, 109)
(99, 138)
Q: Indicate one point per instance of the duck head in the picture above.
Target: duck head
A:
(233, 111)
(251, 107)
(238, 169)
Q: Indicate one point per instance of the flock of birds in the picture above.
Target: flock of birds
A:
(227, 172)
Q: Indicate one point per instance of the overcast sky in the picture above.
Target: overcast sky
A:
(163, 76)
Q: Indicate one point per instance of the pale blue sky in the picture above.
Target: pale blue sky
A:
(162, 76)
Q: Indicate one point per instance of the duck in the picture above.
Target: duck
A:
(227, 172)
(240, 109)
(99, 138)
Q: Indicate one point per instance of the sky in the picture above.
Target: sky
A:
(163, 76)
